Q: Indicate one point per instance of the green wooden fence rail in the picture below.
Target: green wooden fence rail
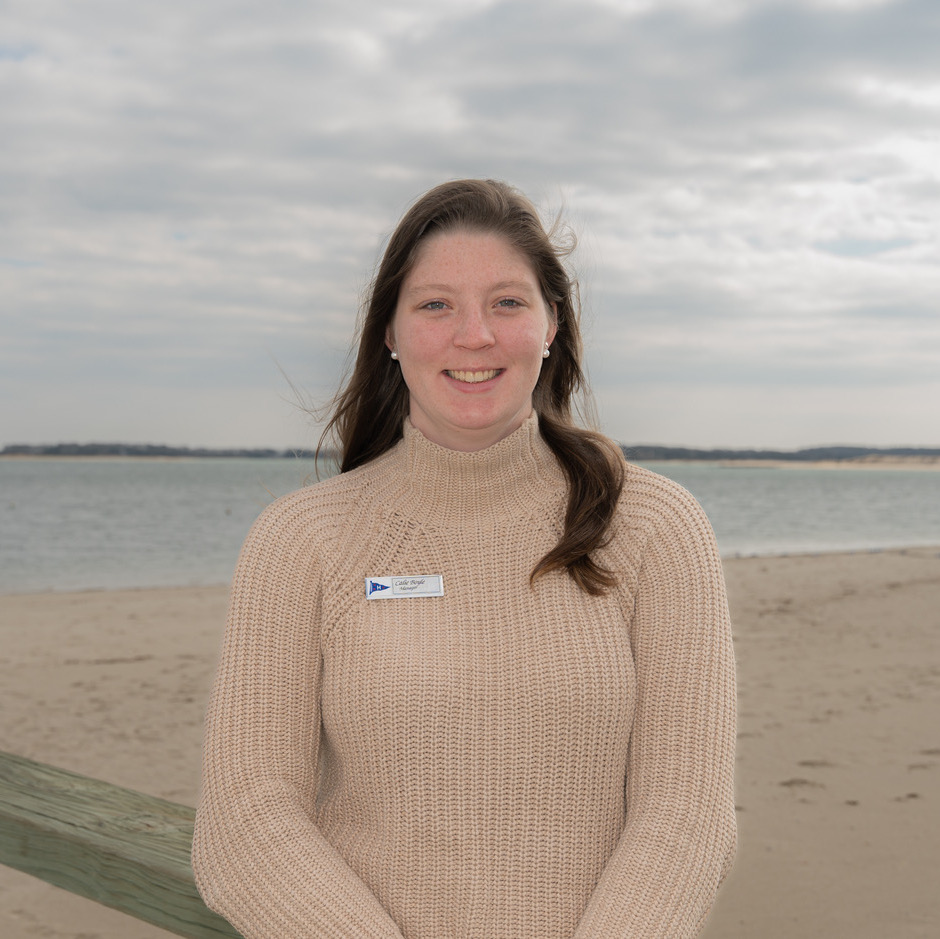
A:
(118, 847)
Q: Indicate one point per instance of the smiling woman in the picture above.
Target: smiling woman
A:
(532, 735)
(470, 331)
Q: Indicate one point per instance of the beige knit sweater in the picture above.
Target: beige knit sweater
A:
(500, 762)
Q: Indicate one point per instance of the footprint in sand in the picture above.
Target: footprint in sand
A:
(798, 782)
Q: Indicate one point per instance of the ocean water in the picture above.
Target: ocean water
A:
(87, 524)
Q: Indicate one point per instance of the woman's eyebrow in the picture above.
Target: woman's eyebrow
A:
(519, 285)
(423, 288)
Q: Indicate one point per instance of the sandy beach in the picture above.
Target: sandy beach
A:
(838, 785)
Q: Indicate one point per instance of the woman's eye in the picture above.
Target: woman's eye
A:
(508, 303)
(435, 305)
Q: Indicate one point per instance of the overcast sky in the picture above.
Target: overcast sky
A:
(193, 196)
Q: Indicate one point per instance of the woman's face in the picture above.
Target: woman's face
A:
(470, 328)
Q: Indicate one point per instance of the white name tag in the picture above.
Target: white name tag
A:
(391, 588)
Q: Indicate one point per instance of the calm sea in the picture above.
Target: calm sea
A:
(83, 524)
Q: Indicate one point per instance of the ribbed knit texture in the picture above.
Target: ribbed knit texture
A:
(502, 762)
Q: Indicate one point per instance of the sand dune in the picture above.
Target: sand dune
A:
(839, 738)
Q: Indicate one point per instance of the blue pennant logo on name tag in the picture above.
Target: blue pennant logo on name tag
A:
(411, 585)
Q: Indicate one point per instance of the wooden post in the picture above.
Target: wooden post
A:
(118, 847)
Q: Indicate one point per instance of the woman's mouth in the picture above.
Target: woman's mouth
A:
(473, 378)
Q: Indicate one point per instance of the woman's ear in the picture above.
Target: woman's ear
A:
(552, 324)
(389, 339)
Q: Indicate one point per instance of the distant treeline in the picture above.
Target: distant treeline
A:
(641, 453)
(152, 450)
(651, 454)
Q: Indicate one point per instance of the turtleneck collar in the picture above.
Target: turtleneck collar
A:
(515, 476)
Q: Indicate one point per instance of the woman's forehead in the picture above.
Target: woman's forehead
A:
(462, 253)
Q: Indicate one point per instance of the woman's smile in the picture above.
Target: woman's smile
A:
(473, 377)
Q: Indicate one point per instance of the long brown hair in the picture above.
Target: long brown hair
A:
(368, 413)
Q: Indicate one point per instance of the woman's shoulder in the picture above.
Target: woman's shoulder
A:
(322, 506)
(652, 501)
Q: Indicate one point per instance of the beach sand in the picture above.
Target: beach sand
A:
(838, 782)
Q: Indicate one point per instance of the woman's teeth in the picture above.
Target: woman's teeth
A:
(474, 377)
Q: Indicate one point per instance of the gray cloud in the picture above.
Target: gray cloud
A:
(194, 193)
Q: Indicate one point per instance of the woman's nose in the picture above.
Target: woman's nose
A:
(474, 330)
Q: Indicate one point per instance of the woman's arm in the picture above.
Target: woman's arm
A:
(259, 859)
(679, 837)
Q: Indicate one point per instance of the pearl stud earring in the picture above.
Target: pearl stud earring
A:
(394, 355)
(546, 353)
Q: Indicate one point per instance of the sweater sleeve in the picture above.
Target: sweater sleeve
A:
(679, 836)
(259, 859)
